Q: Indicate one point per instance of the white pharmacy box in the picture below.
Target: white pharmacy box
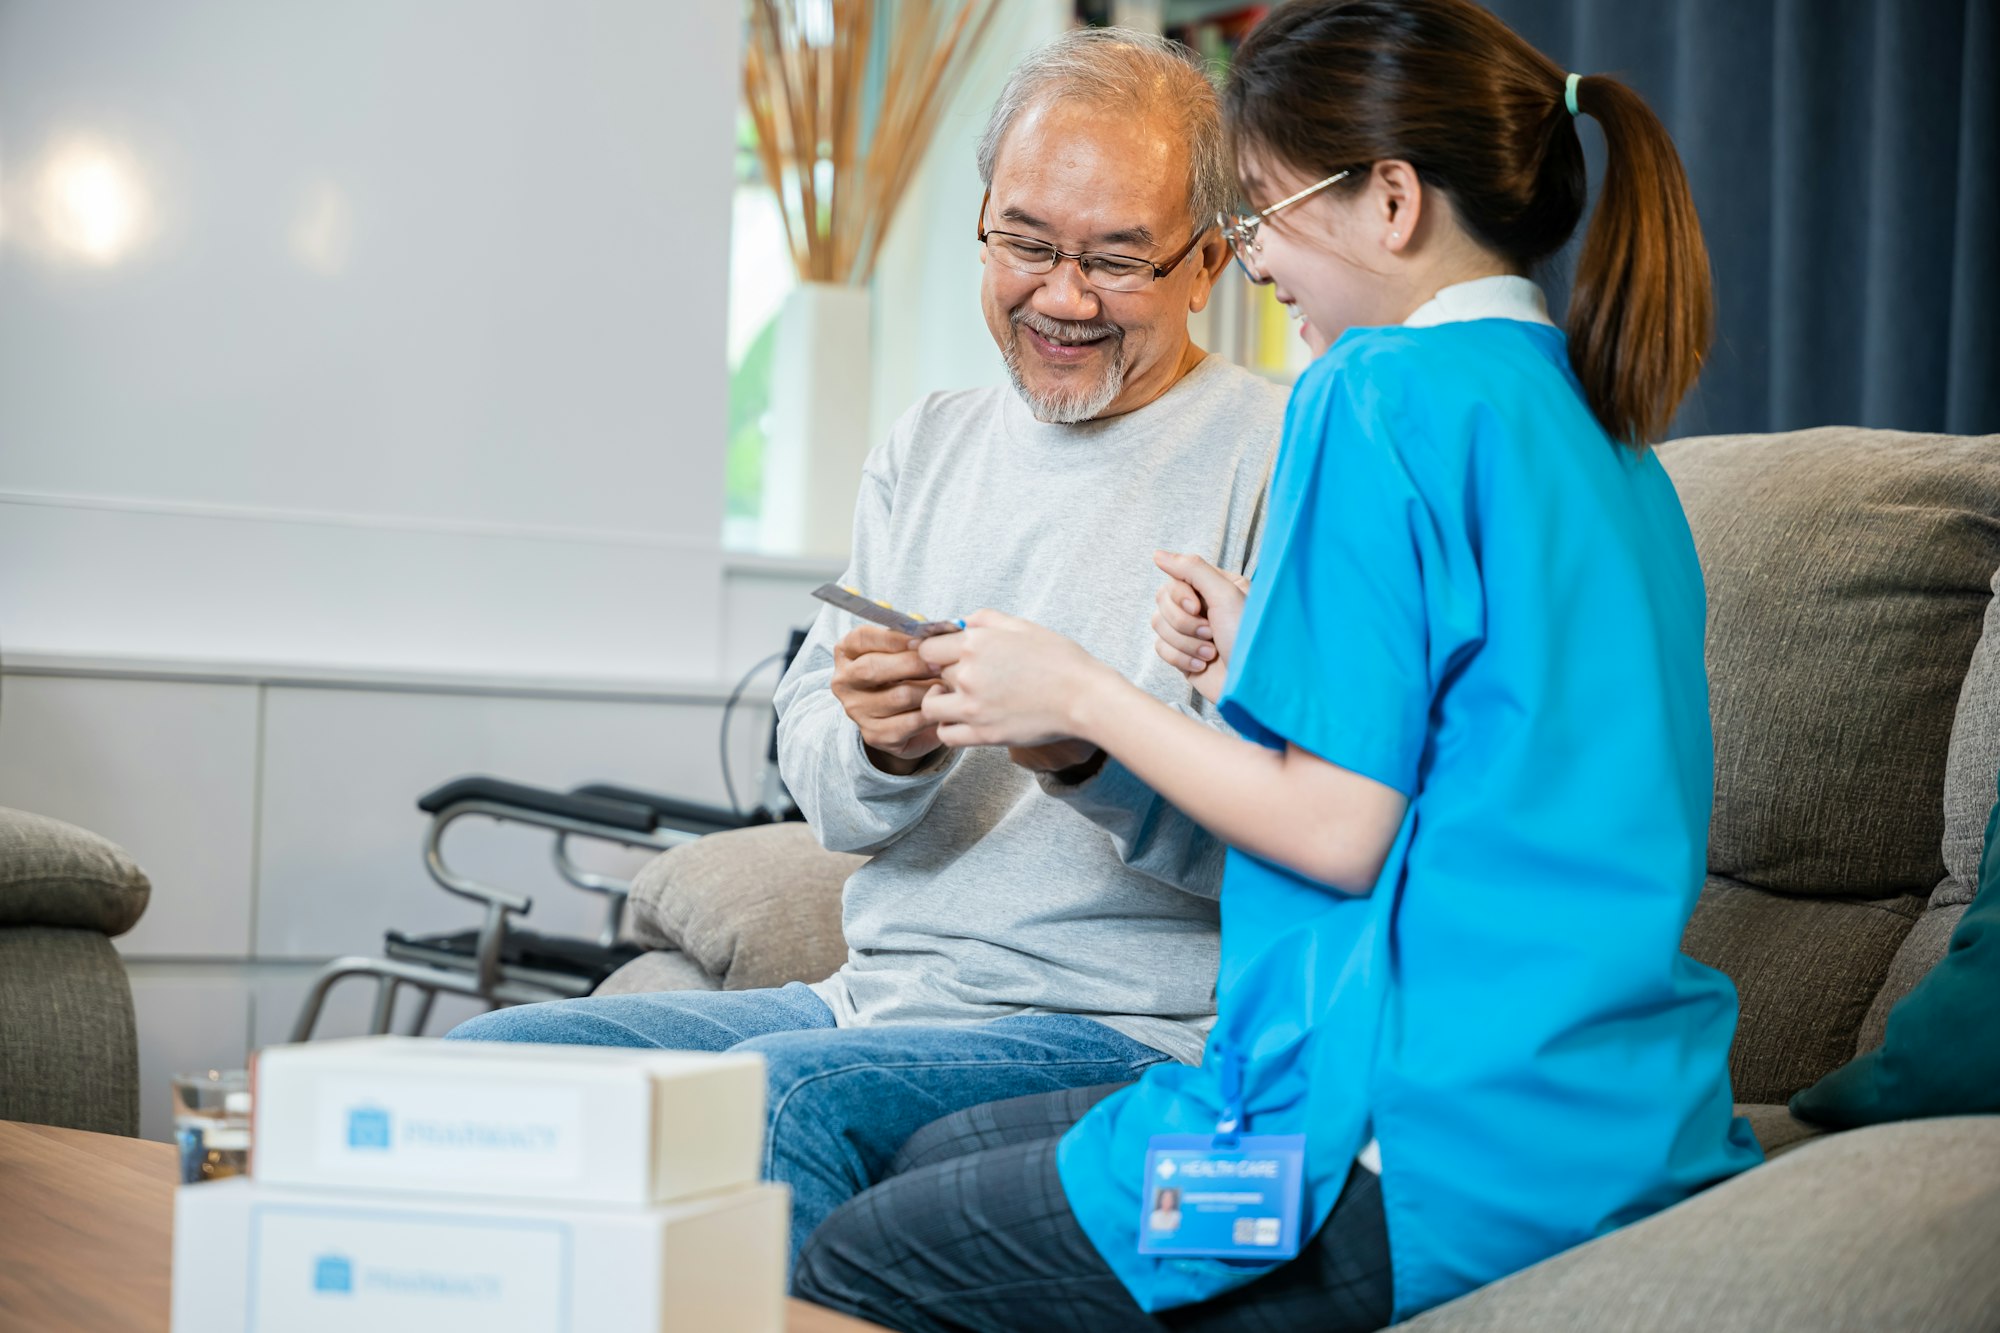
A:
(257, 1258)
(579, 1124)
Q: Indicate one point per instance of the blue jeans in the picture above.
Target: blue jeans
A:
(841, 1100)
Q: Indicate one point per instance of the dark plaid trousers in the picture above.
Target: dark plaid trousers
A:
(970, 1232)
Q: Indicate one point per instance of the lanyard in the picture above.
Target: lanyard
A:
(1226, 1195)
(1229, 1125)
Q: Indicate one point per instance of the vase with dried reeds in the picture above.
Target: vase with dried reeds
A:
(844, 96)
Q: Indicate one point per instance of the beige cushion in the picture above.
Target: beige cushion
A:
(1922, 949)
(662, 969)
(1970, 764)
(1889, 1227)
(1848, 575)
(1806, 971)
(1777, 1129)
(754, 908)
(56, 874)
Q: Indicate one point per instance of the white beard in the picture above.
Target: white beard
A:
(1072, 403)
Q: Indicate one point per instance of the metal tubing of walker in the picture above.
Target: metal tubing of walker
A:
(426, 978)
(423, 1017)
(661, 840)
(385, 1006)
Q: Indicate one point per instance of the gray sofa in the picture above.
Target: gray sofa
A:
(69, 1052)
(1854, 660)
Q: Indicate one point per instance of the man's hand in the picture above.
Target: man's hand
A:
(1195, 616)
(1053, 757)
(881, 684)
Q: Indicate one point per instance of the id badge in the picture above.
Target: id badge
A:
(1222, 1196)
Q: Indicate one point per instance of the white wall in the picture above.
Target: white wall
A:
(362, 398)
(371, 333)
(362, 406)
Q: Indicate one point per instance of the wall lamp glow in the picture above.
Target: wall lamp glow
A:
(90, 202)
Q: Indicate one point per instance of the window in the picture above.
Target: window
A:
(760, 277)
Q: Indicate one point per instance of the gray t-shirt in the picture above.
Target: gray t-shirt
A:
(994, 891)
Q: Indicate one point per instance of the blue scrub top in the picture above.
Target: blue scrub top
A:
(1470, 593)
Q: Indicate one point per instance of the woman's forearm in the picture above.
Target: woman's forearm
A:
(1287, 806)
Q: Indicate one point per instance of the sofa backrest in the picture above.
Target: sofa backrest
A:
(1971, 762)
(1850, 574)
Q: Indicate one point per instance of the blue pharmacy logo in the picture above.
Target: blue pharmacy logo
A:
(333, 1273)
(368, 1127)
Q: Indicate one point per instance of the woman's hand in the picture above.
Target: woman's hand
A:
(1009, 682)
(1195, 616)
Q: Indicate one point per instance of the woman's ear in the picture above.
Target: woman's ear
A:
(1396, 199)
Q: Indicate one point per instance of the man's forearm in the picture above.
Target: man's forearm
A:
(852, 804)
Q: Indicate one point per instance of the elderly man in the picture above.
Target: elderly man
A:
(1032, 920)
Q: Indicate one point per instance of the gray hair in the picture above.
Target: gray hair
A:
(1131, 71)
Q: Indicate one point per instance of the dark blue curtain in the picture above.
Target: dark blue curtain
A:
(1845, 157)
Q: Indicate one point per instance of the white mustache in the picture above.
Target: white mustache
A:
(1064, 330)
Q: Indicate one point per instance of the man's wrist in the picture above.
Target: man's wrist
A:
(895, 765)
(1078, 774)
(884, 762)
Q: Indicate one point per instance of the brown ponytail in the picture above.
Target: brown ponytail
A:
(1641, 309)
(1480, 114)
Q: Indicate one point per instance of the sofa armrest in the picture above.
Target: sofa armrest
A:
(1893, 1226)
(756, 907)
(56, 874)
(69, 1048)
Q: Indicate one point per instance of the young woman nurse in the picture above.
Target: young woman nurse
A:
(1468, 811)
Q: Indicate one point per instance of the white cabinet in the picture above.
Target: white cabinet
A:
(166, 769)
(192, 1018)
(277, 819)
(340, 857)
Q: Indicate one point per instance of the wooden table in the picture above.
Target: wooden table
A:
(86, 1236)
